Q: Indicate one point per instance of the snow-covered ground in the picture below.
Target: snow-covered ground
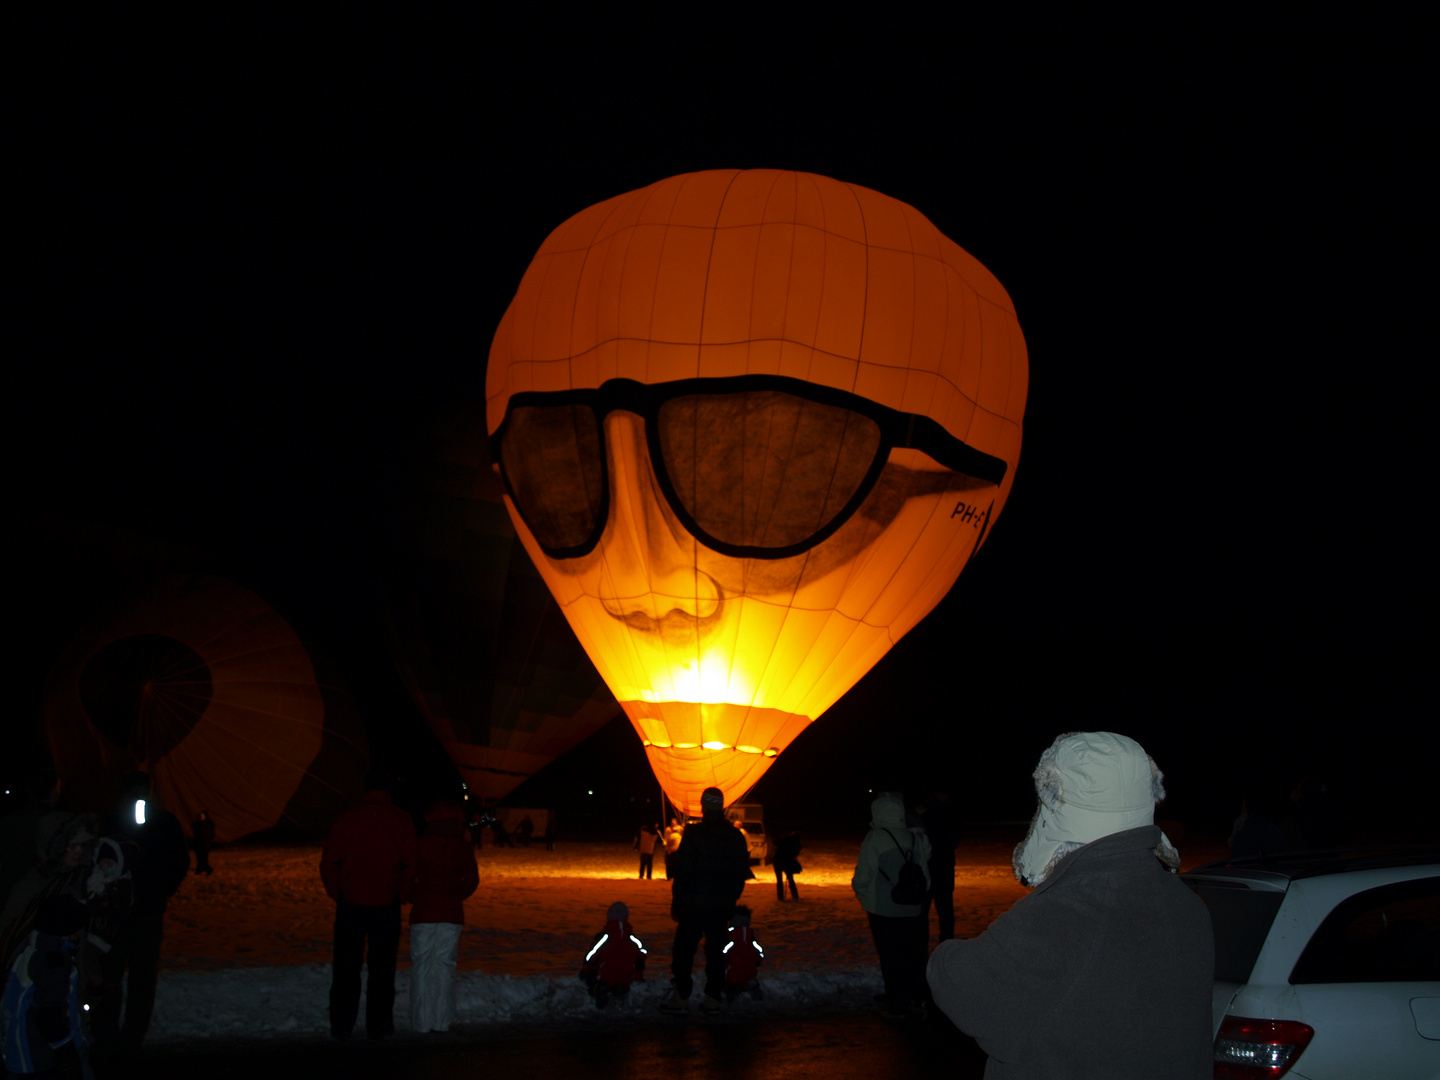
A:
(247, 950)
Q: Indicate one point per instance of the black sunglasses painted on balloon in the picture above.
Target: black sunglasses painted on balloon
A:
(754, 466)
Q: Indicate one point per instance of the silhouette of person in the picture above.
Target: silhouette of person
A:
(369, 870)
(202, 835)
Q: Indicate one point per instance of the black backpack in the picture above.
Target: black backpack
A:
(911, 888)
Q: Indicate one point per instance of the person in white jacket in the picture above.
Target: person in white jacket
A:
(901, 931)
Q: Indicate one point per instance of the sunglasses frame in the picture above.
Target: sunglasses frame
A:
(897, 429)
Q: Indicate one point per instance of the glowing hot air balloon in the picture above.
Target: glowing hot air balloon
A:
(752, 425)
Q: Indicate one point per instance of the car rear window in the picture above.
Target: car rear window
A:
(1240, 917)
(1389, 934)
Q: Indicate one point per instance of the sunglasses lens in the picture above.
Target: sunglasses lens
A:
(554, 465)
(764, 469)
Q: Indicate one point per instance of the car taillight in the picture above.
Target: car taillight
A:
(1247, 1048)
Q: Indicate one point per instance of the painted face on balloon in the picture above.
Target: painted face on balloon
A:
(722, 545)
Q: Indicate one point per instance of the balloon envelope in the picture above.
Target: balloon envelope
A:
(199, 682)
(484, 651)
(752, 425)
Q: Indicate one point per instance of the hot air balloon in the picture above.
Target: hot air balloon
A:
(481, 646)
(751, 425)
(206, 687)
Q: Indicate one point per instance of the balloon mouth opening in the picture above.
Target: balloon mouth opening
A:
(695, 729)
(714, 745)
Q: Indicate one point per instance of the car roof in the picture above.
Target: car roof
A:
(1276, 870)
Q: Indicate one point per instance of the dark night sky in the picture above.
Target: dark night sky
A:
(259, 260)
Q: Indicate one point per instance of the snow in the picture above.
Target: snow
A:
(247, 950)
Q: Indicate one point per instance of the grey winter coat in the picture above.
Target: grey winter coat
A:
(1103, 971)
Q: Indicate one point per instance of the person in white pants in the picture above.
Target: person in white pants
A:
(445, 876)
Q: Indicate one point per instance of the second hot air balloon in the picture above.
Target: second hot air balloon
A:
(752, 425)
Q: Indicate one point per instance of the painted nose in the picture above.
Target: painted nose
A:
(649, 558)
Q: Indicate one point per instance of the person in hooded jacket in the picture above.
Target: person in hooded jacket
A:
(109, 896)
(743, 957)
(901, 931)
(368, 868)
(1106, 969)
(710, 869)
(445, 876)
(616, 958)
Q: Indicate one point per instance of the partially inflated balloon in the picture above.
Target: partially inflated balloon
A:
(485, 653)
(752, 425)
(206, 687)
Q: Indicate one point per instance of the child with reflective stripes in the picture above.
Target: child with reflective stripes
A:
(615, 960)
(743, 956)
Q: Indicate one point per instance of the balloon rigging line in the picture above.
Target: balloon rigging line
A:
(303, 722)
(254, 621)
(244, 739)
(212, 737)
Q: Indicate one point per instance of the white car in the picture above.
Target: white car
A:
(1327, 966)
(749, 818)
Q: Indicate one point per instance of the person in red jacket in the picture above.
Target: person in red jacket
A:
(445, 875)
(615, 960)
(743, 957)
(369, 870)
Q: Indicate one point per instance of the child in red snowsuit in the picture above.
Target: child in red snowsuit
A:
(743, 956)
(615, 960)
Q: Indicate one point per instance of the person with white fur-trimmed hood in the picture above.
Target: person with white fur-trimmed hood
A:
(1104, 970)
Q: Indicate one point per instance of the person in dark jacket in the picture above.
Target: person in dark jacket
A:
(787, 864)
(942, 829)
(202, 835)
(616, 958)
(369, 870)
(130, 971)
(445, 876)
(1105, 970)
(645, 840)
(710, 869)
